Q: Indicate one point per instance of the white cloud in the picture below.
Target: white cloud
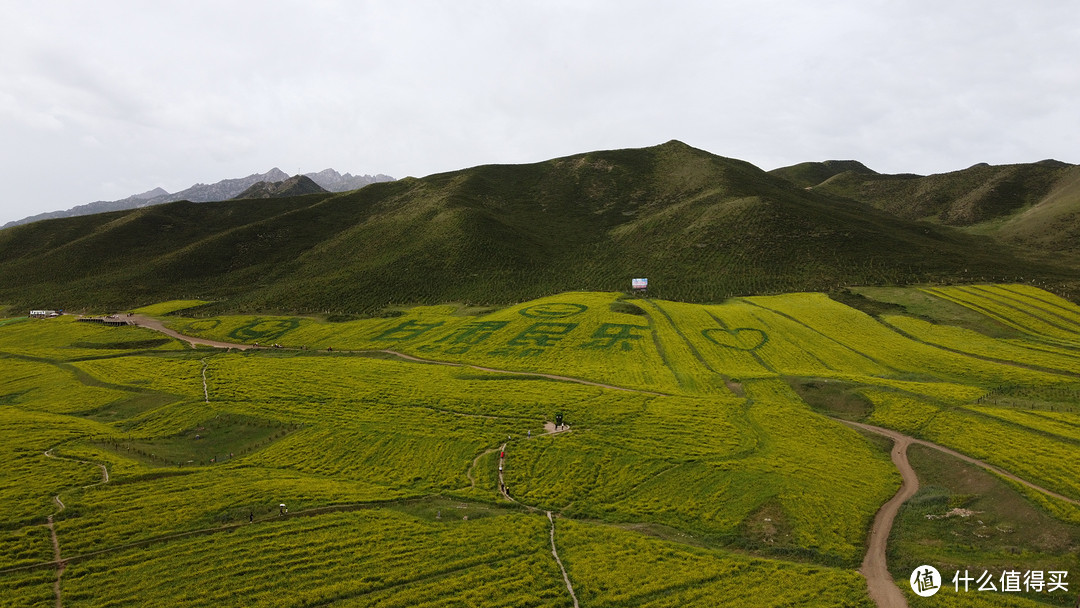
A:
(172, 93)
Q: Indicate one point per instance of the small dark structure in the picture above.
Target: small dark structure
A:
(111, 320)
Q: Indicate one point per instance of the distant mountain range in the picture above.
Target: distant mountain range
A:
(699, 226)
(327, 179)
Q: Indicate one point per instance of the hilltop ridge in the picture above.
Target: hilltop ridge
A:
(702, 227)
(297, 185)
(966, 197)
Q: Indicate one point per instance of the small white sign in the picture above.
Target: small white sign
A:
(639, 283)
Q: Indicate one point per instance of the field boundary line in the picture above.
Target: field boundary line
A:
(1035, 368)
(986, 312)
(1018, 301)
(1008, 287)
(1013, 424)
(825, 335)
(413, 581)
(555, 552)
(81, 376)
(679, 332)
(508, 371)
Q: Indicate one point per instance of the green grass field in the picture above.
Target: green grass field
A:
(701, 466)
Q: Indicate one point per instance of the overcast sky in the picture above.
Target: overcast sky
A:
(100, 100)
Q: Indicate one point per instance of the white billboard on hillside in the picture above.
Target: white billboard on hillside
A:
(639, 283)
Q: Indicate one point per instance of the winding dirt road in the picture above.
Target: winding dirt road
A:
(158, 326)
(879, 582)
(975, 461)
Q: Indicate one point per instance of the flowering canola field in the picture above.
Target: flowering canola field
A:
(690, 465)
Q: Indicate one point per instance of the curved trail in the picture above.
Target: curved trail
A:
(57, 560)
(968, 459)
(154, 324)
(60, 565)
(206, 392)
(879, 582)
(549, 429)
(555, 552)
(469, 471)
(104, 472)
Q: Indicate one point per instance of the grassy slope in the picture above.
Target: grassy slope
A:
(702, 227)
(960, 198)
(1052, 224)
(808, 175)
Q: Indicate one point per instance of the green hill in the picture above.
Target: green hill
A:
(806, 175)
(959, 198)
(700, 226)
(1054, 223)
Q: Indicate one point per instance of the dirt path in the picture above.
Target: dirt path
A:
(469, 472)
(158, 326)
(555, 552)
(104, 472)
(550, 429)
(57, 561)
(502, 482)
(60, 565)
(205, 390)
(964, 457)
(879, 582)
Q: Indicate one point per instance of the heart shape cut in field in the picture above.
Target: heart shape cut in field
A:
(740, 338)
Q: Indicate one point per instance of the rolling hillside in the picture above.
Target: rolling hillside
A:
(960, 198)
(700, 226)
